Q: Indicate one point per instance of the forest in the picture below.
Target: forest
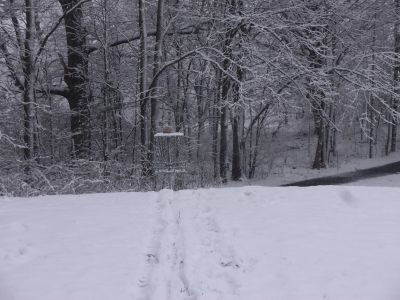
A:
(86, 85)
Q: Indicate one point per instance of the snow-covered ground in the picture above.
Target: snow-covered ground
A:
(339, 243)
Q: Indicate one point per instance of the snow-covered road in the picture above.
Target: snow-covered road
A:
(237, 243)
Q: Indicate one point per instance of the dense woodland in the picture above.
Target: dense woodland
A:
(86, 84)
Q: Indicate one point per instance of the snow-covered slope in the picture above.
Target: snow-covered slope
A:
(239, 243)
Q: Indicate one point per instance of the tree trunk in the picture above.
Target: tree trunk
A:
(223, 144)
(106, 85)
(153, 93)
(371, 100)
(395, 103)
(28, 70)
(319, 159)
(236, 164)
(143, 85)
(200, 112)
(226, 86)
(215, 124)
(76, 78)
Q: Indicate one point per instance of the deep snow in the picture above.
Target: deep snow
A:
(235, 243)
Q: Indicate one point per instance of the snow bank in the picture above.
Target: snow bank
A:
(237, 243)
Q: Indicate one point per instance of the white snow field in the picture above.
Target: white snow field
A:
(340, 243)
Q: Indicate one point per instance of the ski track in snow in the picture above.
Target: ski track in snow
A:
(165, 277)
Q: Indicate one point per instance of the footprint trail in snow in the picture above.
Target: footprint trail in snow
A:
(165, 277)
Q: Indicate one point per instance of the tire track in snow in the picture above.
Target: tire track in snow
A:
(165, 276)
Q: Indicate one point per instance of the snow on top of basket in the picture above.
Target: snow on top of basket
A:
(168, 131)
(168, 134)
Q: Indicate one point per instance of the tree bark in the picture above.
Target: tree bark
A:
(76, 78)
(226, 87)
(395, 103)
(153, 92)
(320, 159)
(215, 124)
(143, 84)
(236, 163)
(28, 70)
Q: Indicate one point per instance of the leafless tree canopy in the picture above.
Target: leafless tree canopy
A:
(85, 85)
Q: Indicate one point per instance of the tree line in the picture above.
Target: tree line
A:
(86, 84)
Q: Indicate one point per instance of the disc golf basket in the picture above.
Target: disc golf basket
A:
(169, 157)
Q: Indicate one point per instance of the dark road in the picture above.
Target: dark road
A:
(349, 177)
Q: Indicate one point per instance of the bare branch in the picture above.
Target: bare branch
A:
(48, 35)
